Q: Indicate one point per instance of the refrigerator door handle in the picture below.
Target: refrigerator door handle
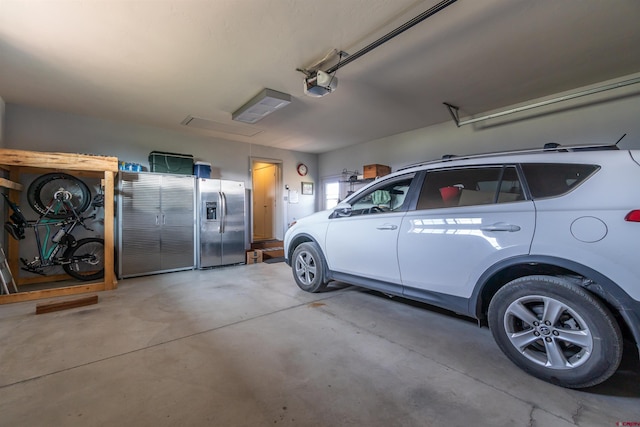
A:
(223, 216)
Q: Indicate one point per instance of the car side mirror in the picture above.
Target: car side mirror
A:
(342, 210)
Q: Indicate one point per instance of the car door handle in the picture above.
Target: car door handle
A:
(500, 226)
(387, 227)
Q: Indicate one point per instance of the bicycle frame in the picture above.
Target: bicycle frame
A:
(62, 238)
(81, 259)
(47, 255)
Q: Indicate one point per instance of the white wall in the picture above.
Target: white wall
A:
(29, 128)
(598, 119)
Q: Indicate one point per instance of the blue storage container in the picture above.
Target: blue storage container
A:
(202, 169)
(130, 167)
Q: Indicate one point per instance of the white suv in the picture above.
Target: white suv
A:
(541, 246)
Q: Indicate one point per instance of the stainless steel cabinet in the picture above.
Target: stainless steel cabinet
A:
(155, 223)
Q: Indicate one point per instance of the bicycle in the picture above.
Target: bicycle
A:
(59, 199)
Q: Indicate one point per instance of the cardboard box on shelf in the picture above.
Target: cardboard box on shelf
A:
(372, 171)
(254, 256)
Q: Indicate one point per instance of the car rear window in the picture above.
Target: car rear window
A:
(477, 185)
(555, 179)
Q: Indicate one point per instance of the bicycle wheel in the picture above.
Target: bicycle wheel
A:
(56, 195)
(86, 259)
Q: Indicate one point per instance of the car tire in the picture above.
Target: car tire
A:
(308, 267)
(556, 330)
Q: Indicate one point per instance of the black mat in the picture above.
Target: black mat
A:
(274, 260)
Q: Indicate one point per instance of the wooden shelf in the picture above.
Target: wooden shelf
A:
(58, 161)
(21, 161)
(10, 184)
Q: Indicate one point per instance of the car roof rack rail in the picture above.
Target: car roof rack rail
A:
(548, 147)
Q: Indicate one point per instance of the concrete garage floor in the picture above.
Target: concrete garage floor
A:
(242, 346)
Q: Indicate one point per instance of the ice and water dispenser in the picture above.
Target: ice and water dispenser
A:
(212, 208)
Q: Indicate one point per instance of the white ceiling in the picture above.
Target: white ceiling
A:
(157, 62)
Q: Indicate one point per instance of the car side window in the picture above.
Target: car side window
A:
(555, 179)
(470, 186)
(386, 197)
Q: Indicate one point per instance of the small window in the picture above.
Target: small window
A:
(386, 197)
(553, 179)
(470, 186)
(331, 194)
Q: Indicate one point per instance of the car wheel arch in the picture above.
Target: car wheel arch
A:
(597, 284)
(303, 238)
(296, 241)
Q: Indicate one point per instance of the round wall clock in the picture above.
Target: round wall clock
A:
(302, 169)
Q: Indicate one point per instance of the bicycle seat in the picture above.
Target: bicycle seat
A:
(16, 216)
(14, 230)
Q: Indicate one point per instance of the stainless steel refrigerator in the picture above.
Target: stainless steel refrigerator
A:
(221, 222)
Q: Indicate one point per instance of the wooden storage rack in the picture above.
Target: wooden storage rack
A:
(21, 161)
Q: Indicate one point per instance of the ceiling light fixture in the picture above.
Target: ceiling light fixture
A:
(261, 105)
